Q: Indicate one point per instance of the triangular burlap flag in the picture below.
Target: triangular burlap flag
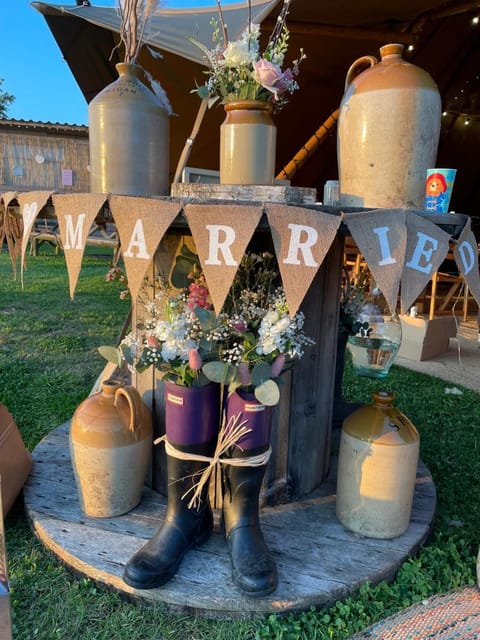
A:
(221, 235)
(427, 246)
(141, 224)
(31, 203)
(75, 214)
(466, 257)
(11, 228)
(301, 238)
(381, 237)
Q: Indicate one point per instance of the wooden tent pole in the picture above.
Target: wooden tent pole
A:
(308, 148)
(189, 142)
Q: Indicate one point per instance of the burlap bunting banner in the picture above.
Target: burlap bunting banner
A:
(221, 235)
(11, 228)
(31, 203)
(427, 246)
(141, 224)
(75, 214)
(466, 256)
(381, 237)
(302, 238)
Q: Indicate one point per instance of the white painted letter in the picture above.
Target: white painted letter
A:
(73, 236)
(137, 240)
(464, 249)
(305, 247)
(384, 246)
(216, 245)
(421, 250)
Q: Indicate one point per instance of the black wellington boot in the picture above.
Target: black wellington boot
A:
(183, 528)
(253, 568)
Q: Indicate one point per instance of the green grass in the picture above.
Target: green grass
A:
(49, 362)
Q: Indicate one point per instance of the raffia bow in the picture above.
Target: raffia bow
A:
(228, 435)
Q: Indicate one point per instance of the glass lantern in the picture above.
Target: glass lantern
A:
(377, 340)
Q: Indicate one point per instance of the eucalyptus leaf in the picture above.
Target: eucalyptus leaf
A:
(112, 354)
(260, 373)
(268, 393)
(218, 371)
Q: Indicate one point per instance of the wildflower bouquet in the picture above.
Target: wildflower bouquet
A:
(249, 344)
(239, 71)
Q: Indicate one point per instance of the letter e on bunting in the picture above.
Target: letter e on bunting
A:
(381, 237)
(301, 238)
(141, 224)
(221, 235)
(31, 204)
(75, 214)
(427, 246)
(466, 257)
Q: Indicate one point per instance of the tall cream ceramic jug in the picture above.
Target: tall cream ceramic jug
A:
(388, 132)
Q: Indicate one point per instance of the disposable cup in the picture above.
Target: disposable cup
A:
(438, 189)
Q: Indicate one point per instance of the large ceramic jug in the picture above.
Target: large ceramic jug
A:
(377, 466)
(129, 138)
(388, 132)
(111, 445)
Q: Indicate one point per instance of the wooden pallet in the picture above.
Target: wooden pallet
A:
(318, 561)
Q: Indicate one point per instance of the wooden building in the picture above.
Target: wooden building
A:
(43, 155)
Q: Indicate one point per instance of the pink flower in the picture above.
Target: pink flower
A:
(277, 365)
(267, 74)
(244, 374)
(239, 325)
(152, 342)
(194, 360)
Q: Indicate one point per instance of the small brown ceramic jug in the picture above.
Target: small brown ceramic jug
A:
(110, 445)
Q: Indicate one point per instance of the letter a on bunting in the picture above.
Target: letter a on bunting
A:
(75, 215)
(221, 235)
(141, 224)
(301, 238)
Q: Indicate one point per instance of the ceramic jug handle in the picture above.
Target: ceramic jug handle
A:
(135, 403)
(355, 67)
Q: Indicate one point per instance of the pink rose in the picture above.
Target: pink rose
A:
(267, 74)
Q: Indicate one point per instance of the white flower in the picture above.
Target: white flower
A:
(238, 53)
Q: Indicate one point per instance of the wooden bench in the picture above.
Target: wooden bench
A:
(100, 235)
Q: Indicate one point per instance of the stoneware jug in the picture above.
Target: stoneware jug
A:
(129, 137)
(388, 132)
(377, 467)
(110, 444)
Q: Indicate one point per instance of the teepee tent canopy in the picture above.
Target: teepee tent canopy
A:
(440, 36)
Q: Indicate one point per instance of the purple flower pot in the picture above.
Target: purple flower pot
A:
(258, 418)
(192, 414)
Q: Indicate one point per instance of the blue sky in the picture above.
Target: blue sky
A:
(33, 69)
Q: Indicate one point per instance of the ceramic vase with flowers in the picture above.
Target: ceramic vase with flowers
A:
(252, 86)
(129, 119)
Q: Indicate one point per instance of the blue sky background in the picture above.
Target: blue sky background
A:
(33, 69)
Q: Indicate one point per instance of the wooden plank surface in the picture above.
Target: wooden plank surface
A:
(318, 560)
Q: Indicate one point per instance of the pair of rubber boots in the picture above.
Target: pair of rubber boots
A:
(253, 569)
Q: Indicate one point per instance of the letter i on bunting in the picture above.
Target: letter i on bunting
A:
(381, 237)
(141, 224)
(75, 215)
(221, 235)
(31, 204)
(301, 238)
(427, 246)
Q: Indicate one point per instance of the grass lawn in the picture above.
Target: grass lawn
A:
(49, 363)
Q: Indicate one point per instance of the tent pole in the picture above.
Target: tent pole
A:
(189, 142)
(308, 148)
